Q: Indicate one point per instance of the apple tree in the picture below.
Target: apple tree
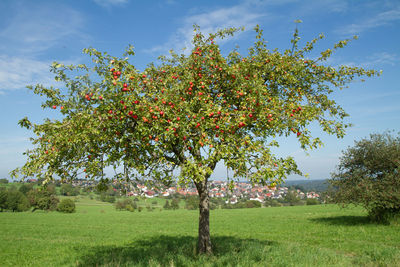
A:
(180, 117)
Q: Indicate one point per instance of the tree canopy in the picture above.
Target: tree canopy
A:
(368, 175)
(182, 116)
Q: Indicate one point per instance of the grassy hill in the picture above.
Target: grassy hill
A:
(98, 235)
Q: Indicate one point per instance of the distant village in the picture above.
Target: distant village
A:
(217, 189)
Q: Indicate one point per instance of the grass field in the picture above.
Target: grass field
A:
(98, 235)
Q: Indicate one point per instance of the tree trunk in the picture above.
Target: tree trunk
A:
(204, 242)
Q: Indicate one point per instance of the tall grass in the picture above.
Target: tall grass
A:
(98, 235)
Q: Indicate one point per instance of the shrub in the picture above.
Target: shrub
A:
(243, 204)
(149, 207)
(175, 203)
(272, 203)
(213, 206)
(312, 201)
(129, 208)
(252, 204)
(368, 174)
(192, 203)
(3, 198)
(126, 204)
(227, 206)
(25, 188)
(69, 190)
(66, 205)
(119, 205)
(16, 201)
(166, 205)
(43, 199)
(107, 198)
(291, 198)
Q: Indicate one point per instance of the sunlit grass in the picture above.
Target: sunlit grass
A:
(97, 234)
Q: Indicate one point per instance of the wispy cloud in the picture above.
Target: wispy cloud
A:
(244, 14)
(35, 29)
(30, 33)
(380, 19)
(375, 61)
(18, 72)
(109, 3)
(377, 109)
(382, 58)
(315, 8)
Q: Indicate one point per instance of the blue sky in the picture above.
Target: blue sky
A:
(33, 34)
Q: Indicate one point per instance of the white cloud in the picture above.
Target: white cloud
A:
(374, 61)
(244, 14)
(35, 29)
(108, 3)
(314, 8)
(375, 110)
(380, 19)
(30, 33)
(382, 58)
(18, 72)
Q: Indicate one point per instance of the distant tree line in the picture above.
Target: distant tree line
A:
(27, 197)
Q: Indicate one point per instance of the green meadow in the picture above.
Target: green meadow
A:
(98, 235)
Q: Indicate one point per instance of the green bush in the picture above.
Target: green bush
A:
(312, 201)
(149, 207)
(69, 190)
(25, 188)
(227, 206)
(126, 204)
(66, 205)
(129, 208)
(43, 199)
(166, 205)
(175, 203)
(243, 204)
(119, 205)
(368, 175)
(292, 198)
(272, 203)
(107, 198)
(213, 206)
(252, 204)
(192, 203)
(16, 201)
(3, 198)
